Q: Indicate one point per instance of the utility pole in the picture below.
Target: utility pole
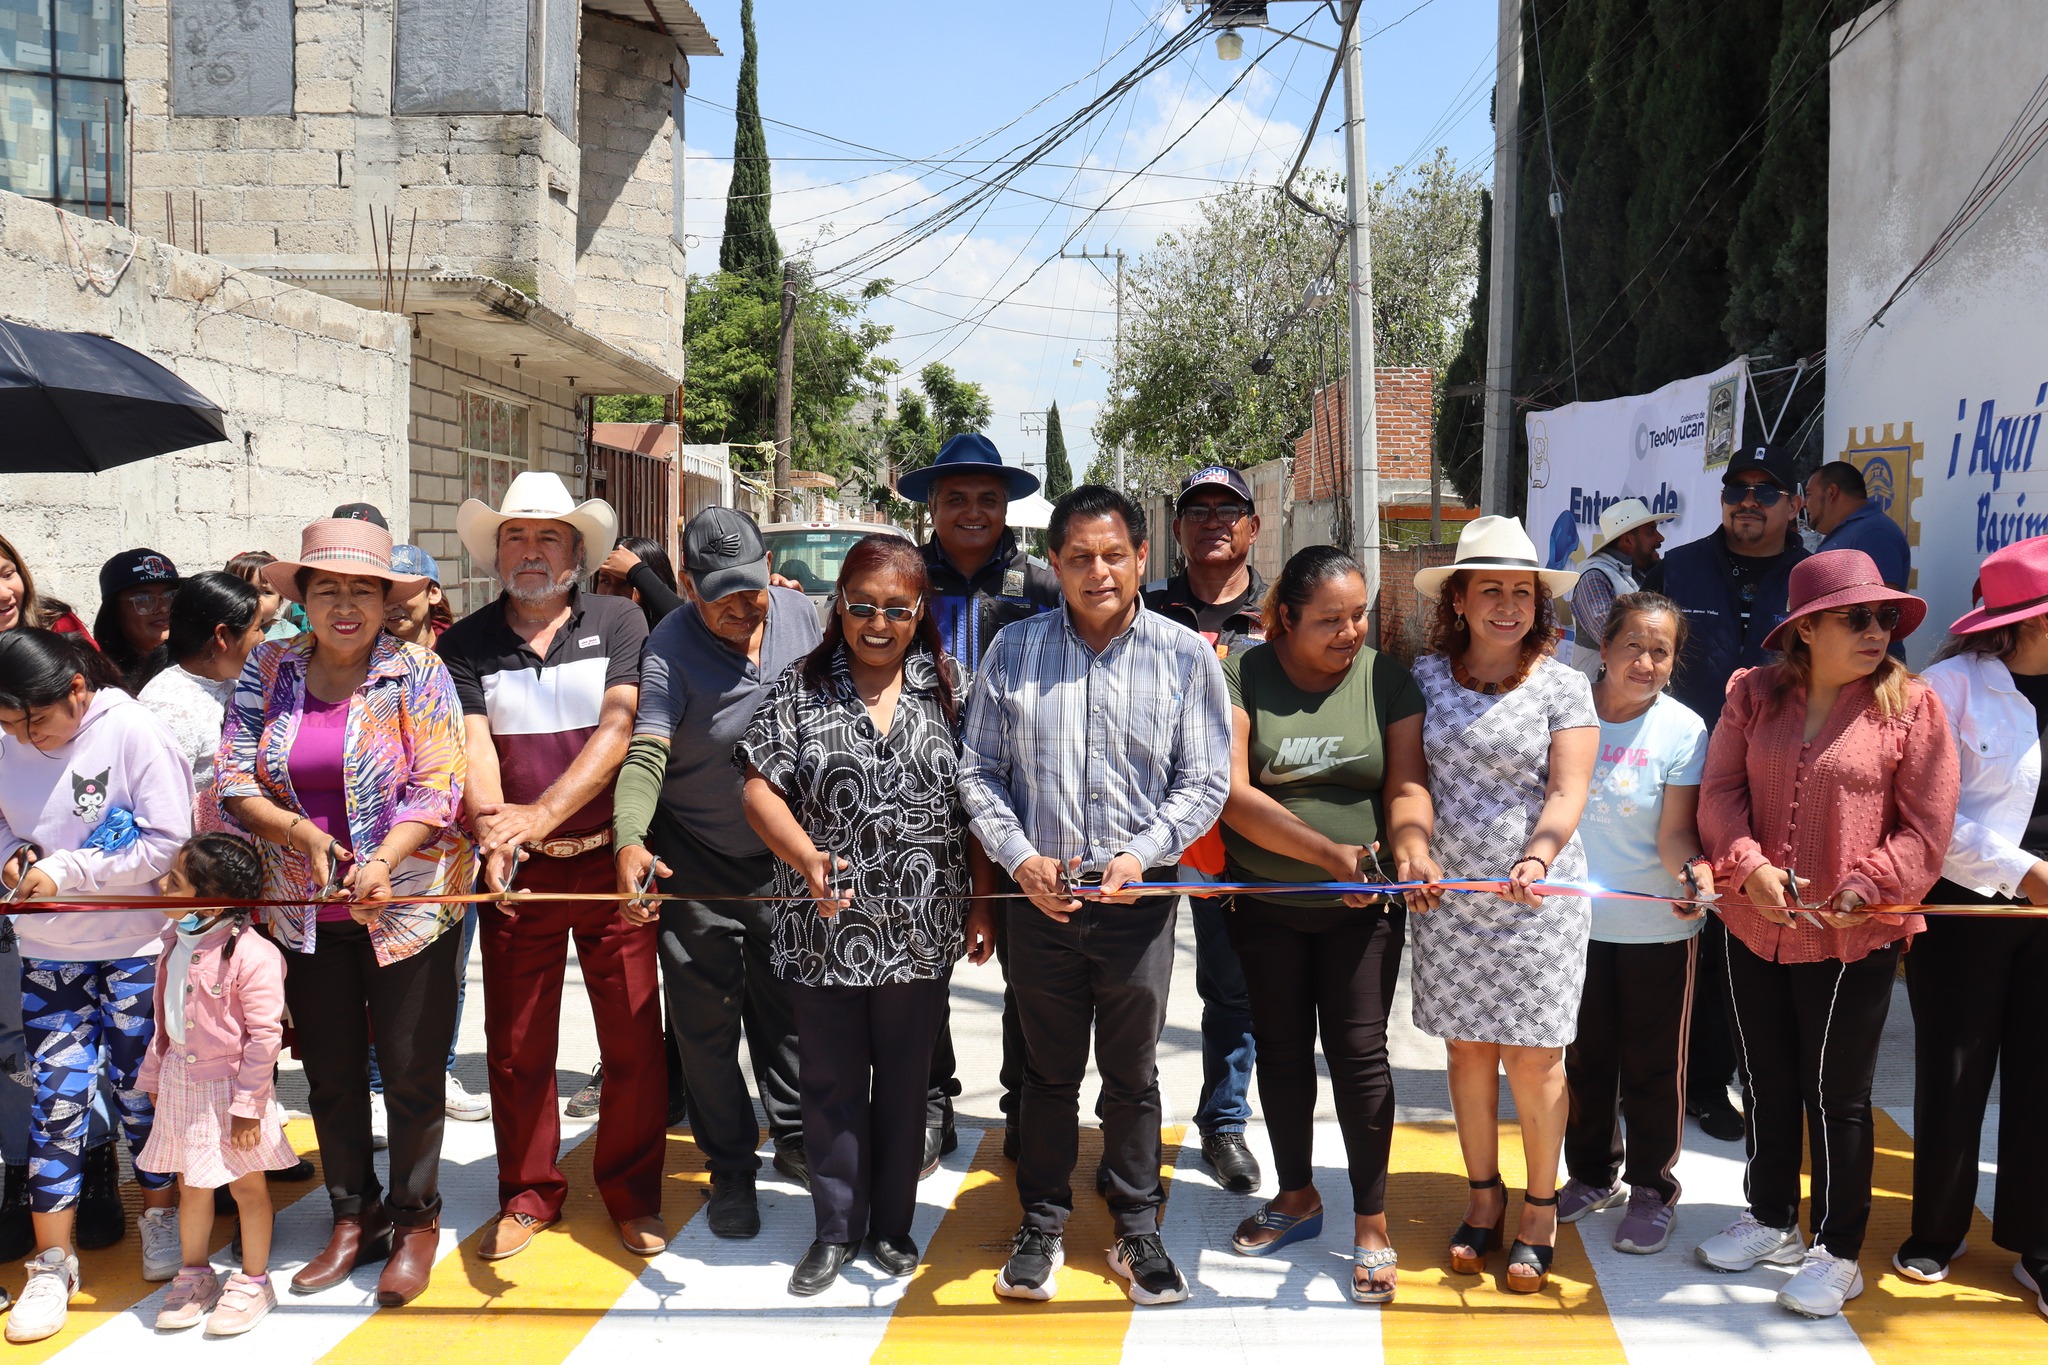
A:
(1360, 402)
(1496, 462)
(785, 368)
(1105, 254)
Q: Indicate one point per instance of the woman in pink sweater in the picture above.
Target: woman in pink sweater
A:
(1833, 766)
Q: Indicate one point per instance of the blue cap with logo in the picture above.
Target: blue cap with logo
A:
(1212, 476)
(414, 562)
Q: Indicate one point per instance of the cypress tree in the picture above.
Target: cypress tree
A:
(749, 247)
(1059, 478)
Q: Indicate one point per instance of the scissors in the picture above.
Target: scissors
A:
(29, 854)
(337, 880)
(1799, 901)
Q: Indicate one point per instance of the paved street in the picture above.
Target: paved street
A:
(575, 1296)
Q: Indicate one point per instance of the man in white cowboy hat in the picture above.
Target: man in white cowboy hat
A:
(1624, 555)
(549, 679)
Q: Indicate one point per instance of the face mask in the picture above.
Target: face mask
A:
(194, 923)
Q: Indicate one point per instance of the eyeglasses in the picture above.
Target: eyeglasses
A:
(145, 603)
(865, 611)
(1766, 495)
(1224, 514)
(1859, 617)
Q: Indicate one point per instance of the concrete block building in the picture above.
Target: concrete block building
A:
(505, 175)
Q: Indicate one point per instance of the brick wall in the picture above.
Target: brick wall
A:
(1403, 613)
(1403, 412)
(629, 270)
(440, 375)
(313, 390)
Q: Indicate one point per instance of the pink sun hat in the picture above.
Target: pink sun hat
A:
(2012, 584)
(1834, 579)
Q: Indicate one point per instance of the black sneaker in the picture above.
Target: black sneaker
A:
(1032, 1271)
(300, 1170)
(583, 1104)
(102, 1221)
(733, 1211)
(17, 1229)
(2032, 1271)
(1153, 1276)
(1718, 1118)
(793, 1161)
(1235, 1166)
(1927, 1261)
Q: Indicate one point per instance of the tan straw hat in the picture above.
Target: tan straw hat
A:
(355, 549)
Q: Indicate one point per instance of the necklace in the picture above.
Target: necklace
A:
(1463, 677)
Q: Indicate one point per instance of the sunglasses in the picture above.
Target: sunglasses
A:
(1860, 617)
(1766, 495)
(1225, 514)
(865, 611)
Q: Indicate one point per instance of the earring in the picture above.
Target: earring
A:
(1458, 622)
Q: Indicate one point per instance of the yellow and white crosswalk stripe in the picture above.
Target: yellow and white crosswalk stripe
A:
(576, 1296)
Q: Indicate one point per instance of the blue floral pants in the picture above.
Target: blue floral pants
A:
(81, 1017)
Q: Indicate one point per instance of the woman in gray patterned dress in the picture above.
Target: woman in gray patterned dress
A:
(1511, 736)
(850, 781)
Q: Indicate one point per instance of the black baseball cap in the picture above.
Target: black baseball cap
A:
(1775, 464)
(723, 553)
(361, 511)
(1212, 476)
(136, 569)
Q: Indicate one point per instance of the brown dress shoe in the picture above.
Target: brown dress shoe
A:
(357, 1240)
(508, 1236)
(644, 1236)
(412, 1260)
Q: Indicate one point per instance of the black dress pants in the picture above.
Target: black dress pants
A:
(338, 996)
(1333, 966)
(1103, 974)
(943, 1086)
(1972, 984)
(1808, 1033)
(862, 1051)
(1711, 1056)
(1628, 1063)
(714, 959)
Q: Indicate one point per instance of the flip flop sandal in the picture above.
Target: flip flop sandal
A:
(1291, 1230)
(1372, 1262)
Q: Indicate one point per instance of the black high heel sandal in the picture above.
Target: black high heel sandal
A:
(1482, 1241)
(1527, 1254)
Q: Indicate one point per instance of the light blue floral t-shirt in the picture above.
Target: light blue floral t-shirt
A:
(1666, 746)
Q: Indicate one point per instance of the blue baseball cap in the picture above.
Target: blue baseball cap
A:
(412, 561)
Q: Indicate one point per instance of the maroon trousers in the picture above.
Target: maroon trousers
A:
(525, 956)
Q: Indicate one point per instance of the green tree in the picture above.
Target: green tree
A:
(944, 406)
(731, 331)
(1059, 479)
(749, 247)
(628, 407)
(1220, 360)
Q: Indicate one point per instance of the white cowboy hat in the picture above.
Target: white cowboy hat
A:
(1622, 517)
(1495, 543)
(534, 496)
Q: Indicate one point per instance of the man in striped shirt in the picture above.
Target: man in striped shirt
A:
(1097, 747)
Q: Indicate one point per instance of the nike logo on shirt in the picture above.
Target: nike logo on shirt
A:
(1302, 757)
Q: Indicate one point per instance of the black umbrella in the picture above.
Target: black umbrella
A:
(74, 403)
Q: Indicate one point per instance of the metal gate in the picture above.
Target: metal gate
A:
(640, 488)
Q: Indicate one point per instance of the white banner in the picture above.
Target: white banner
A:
(1667, 448)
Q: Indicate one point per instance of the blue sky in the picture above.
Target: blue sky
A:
(916, 80)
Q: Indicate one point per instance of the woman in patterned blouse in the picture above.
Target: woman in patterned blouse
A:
(850, 768)
(344, 749)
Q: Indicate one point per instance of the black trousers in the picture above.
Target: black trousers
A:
(1971, 983)
(862, 1050)
(1628, 1063)
(714, 960)
(1306, 966)
(1808, 1034)
(1104, 973)
(1710, 1050)
(943, 1086)
(338, 997)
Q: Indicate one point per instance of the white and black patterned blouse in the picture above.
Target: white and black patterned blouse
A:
(886, 804)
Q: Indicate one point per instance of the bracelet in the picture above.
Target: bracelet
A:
(1543, 863)
(288, 829)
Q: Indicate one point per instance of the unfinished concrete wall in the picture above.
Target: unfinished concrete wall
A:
(314, 391)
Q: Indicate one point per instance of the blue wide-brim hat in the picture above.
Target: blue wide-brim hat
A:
(969, 453)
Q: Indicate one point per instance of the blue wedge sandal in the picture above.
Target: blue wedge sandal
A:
(1291, 1230)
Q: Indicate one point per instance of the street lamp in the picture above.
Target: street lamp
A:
(1229, 45)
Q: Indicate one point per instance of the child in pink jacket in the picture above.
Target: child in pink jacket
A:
(219, 1024)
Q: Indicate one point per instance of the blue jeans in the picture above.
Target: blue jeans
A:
(461, 990)
(1227, 1048)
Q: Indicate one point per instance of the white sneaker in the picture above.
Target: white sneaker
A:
(380, 1124)
(46, 1301)
(161, 1256)
(1746, 1243)
(465, 1106)
(1823, 1284)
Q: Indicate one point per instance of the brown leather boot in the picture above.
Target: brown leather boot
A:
(358, 1240)
(413, 1250)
